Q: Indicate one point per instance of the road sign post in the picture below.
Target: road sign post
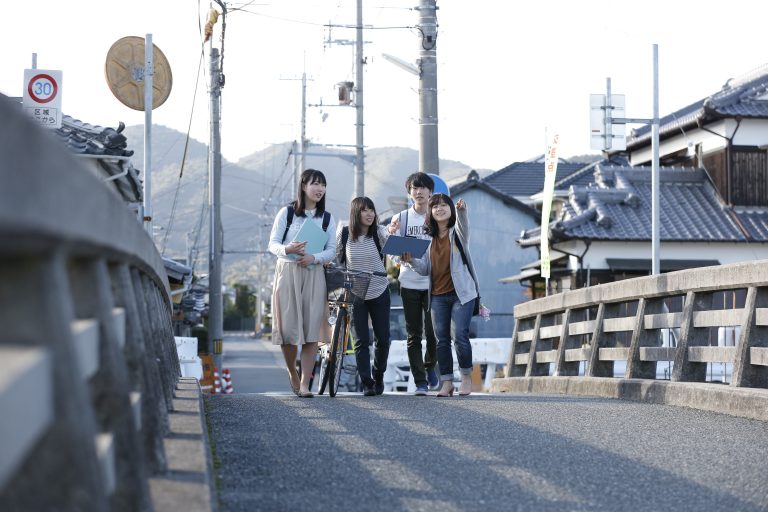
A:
(606, 121)
(42, 96)
(606, 113)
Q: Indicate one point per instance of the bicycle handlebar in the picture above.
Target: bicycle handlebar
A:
(354, 272)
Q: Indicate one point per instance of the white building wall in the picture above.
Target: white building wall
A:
(595, 258)
(750, 132)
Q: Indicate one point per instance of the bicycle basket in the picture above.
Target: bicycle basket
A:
(360, 284)
(336, 280)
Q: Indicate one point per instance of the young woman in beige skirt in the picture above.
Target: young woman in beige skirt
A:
(299, 297)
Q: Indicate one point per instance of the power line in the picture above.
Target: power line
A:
(169, 227)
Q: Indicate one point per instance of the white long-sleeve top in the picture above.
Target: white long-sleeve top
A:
(277, 246)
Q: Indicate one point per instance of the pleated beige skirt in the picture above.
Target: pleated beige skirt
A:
(299, 305)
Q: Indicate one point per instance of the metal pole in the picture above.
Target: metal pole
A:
(360, 154)
(148, 101)
(655, 167)
(34, 61)
(296, 172)
(428, 154)
(608, 137)
(215, 306)
(304, 142)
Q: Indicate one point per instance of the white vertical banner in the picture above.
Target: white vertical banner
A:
(550, 169)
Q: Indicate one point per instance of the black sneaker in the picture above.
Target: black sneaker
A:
(368, 391)
(378, 384)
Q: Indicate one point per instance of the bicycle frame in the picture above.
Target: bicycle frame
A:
(340, 316)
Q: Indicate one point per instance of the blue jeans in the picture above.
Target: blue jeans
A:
(451, 321)
(378, 310)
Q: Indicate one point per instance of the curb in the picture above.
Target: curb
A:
(186, 486)
(749, 403)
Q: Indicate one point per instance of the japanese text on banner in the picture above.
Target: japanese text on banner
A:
(550, 169)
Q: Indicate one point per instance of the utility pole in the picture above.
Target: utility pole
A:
(296, 166)
(360, 153)
(428, 155)
(299, 150)
(304, 142)
(215, 304)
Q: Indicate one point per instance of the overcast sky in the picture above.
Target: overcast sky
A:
(508, 72)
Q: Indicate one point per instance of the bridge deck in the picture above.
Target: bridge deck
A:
(524, 452)
(508, 451)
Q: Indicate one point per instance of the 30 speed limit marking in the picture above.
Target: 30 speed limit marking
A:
(43, 88)
(42, 96)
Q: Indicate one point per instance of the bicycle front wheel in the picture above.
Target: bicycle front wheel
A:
(338, 346)
(325, 352)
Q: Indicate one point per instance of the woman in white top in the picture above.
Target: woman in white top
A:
(299, 297)
(362, 252)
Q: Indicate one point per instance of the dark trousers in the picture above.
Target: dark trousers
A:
(378, 310)
(418, 322)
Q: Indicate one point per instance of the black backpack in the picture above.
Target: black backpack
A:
(326, 221)
(341, 251)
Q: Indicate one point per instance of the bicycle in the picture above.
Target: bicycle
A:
(351, 283)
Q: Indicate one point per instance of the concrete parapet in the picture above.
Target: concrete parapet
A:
(86, 301)
(186, 485)
(744, 402)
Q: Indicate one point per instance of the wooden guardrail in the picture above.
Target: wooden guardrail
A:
(88, 364)
(582, 333)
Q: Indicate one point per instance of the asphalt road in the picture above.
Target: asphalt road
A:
(276, 451)
(256, 366)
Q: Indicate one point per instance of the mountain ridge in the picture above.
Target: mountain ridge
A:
(252, 191)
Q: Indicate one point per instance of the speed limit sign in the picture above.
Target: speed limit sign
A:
(42, 96)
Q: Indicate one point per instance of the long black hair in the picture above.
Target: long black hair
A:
(430, 224)
(307, 178)
(356, 208)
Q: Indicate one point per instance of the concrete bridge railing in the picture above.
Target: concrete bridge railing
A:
(571, 342)
(86, 344)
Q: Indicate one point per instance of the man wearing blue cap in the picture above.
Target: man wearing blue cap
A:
(414, 288)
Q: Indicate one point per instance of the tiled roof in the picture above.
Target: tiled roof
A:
(743, 97)
(617, 207)
(580, 178)
(472, 181)
(527, 178)
(108, 145)
(85, 138)
(754, 222)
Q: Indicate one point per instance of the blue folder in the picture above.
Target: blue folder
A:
(314, 235)
(397, 245)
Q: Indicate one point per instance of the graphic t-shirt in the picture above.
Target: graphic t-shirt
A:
(409, 278)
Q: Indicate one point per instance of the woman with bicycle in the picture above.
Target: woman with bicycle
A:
(299, 299)
(453, 288)
(362, 251)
